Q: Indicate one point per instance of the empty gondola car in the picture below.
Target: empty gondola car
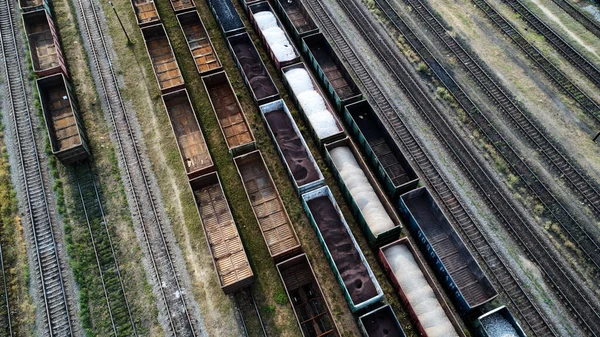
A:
(295, 154)
(65, 129)
(145, 12)
(253, 69)
(498, 323)
(273, 220)
(418, 291)
(231, 118)
(30, 5)
(454, 264)
(295, 16)
(166, 70)
(373, 212)
(380, 149)
(281, 49)
(190, 140)
(199, 43)
(332, 73)
(44, 46)
(227, 17)
(310, 307)
(224, 241)
(314, 106)
(381, 322)
(183, 5)
(359, 285)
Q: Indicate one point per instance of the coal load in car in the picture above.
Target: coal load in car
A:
(299, 161)
(380, 149)
(44, 45)
(453, 263)
(224, 241)
(63, 122)
(332, 73)
(253, 69)
(498, 323)
(359, 285)
(231, 118)
(227, 17)
(273, 220)
(311, 310)
(190, 140)
(199, 43)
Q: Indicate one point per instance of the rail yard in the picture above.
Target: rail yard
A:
(376, 168)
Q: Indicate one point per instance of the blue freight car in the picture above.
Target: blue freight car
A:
(227, 17)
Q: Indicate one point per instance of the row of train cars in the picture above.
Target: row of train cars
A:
(367, 194)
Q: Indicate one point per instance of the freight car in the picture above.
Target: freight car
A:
(272, 33)
(183, 5)
(452, 261)
(224, 242)
(246, 3)
(145, 12)
(273, 220)
(190, 140)
(230, 115)
(43, 42)
(295, 154)
(498, 323)
(381, 322)
(63, 122)
(30, 5)
(253, 69)
(295, 16)
(374, 214)
(199, 43)
(227, 17)
(301, 286)
(359, 285)
(333, 74)
(314, 106)
(380, 149)
(166, 69)
(418, 291)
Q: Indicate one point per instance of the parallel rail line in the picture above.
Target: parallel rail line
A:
(136, 173)
(246, 296)
(122, 322)
(580, 17)
(57, 316)
(525, 308)
(555, 75)
(562, 46)
(588, 245)
(6, 323)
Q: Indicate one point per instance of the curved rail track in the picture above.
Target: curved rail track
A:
(522, 304)
(245, 296)
(563, 47)
(112, 283)
(49, 268)
(555, 75)
(6, 327)
(511, 109)
(136, 171)
(580, 17)
(587, 244)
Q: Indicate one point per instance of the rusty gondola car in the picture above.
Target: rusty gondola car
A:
(222, 236)
(65, 128)
(145, 12)
(44, 45)
(166, 70)
(199, 43)
(297, 18)
(183, 5)
(190, 140)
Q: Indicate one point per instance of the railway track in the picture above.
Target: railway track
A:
(49, 269)
(526, 310)
(245, 298)
(563, 47)
(136, 172)
(580, 17)
(511, 109)
(112, 283)
(555, 75)
(587, 244)
(6, 327)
